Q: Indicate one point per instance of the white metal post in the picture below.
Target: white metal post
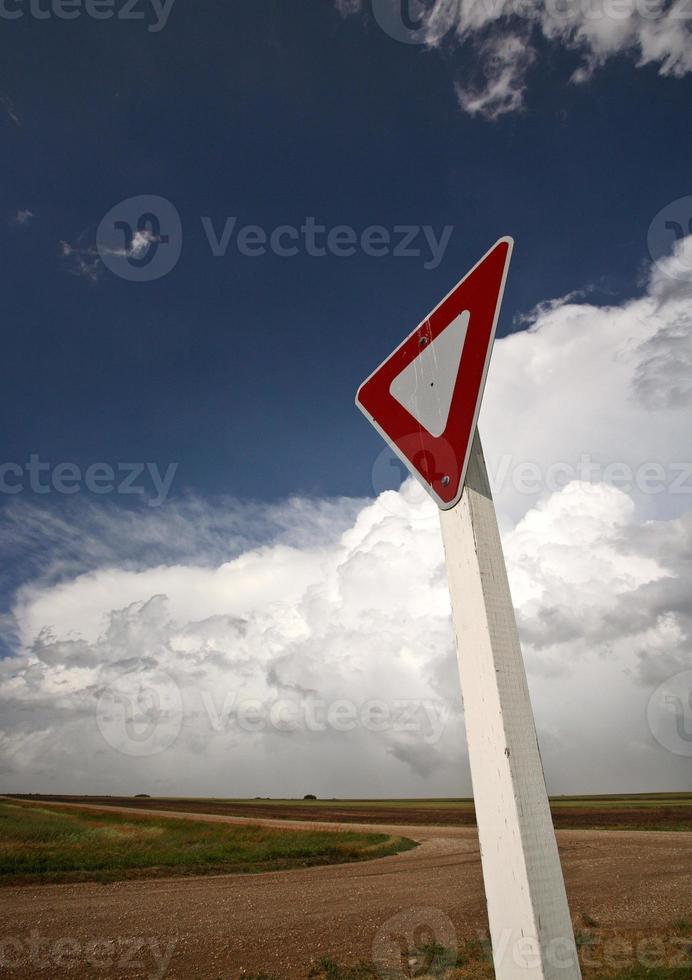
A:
(530, 925)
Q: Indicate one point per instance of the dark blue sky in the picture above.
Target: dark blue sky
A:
(243, 370)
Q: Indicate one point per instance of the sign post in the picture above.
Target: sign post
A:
(425, 400)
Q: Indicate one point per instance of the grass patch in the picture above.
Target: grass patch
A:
(655, 973)
(328, 969)
(607, 955)
(52, 845)
(589, 921)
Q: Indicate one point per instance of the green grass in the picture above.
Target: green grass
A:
(43, 844)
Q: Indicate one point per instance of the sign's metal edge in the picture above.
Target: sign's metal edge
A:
(448, 505)
(505, 238)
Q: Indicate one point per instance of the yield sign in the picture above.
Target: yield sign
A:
(425, 398)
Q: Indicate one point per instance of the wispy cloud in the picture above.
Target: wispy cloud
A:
(87, 262)
(10, 111)
(83, 262)
(22, 217)
(499, 40)
(504, 61)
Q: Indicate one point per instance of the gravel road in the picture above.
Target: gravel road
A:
(218, 927)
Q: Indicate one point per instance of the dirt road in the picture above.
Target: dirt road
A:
(216, 927)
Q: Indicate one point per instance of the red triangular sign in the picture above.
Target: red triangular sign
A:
(425, 398)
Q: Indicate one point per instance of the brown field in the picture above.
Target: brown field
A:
(663, 811)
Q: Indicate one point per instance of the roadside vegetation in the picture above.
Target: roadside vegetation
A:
(45, 844)
(604, 955)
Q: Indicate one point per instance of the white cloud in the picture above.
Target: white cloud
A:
(500, 39)
(87, 262)
(23, 217)
(190, 613)
(504, 61)
(596, 390)
(364, 618)
(82, 262)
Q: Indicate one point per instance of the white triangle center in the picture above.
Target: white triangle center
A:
(425, 388)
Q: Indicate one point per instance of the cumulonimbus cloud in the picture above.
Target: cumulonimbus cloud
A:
(228, 648)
